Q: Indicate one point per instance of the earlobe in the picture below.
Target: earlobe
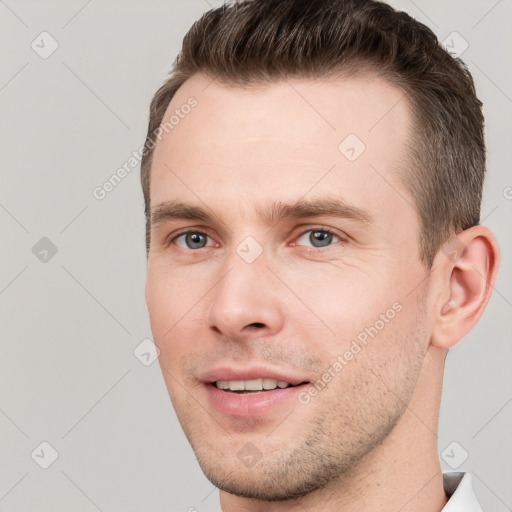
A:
(467, 267)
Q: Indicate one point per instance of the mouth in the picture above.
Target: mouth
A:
(253, 386)
(256, 397)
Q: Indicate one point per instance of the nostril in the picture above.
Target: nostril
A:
(257, 324)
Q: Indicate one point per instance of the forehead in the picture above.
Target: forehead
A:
(283, 141)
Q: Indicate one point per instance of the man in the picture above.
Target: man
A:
(313, 175)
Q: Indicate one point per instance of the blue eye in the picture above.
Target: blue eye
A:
(192, 240)
(317, 238)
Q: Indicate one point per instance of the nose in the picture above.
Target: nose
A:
(245, 303)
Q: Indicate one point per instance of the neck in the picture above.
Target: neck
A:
(401, 474)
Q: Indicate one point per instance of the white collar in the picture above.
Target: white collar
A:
(458, 488)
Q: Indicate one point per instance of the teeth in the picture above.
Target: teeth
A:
(251, 385)
(269, 383)
(236, 385)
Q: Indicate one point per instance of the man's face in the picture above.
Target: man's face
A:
(261, 290)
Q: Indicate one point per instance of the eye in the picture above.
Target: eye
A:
(191, 240)
(317, 238)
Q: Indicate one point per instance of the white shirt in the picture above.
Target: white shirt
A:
(459, 489)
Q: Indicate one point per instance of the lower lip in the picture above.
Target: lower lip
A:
(242, 405)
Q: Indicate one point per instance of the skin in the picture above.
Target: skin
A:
(368, 441)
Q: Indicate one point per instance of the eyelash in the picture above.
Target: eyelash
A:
(302, 233)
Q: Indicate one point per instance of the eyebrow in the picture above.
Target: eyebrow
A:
(331, 207)
(171, 210)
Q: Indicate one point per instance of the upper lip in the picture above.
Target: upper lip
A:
(249, 373)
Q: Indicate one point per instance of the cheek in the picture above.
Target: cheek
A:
(170, 297)
(175, 302)
(356, 317)
(344, 301)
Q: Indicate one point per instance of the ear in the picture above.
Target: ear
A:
(467, 266)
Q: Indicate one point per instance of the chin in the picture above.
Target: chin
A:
(259, 487)
(279, 479)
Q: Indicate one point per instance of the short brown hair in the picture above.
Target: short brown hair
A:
(264, 41)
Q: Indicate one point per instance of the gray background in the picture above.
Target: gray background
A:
(70, 324)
